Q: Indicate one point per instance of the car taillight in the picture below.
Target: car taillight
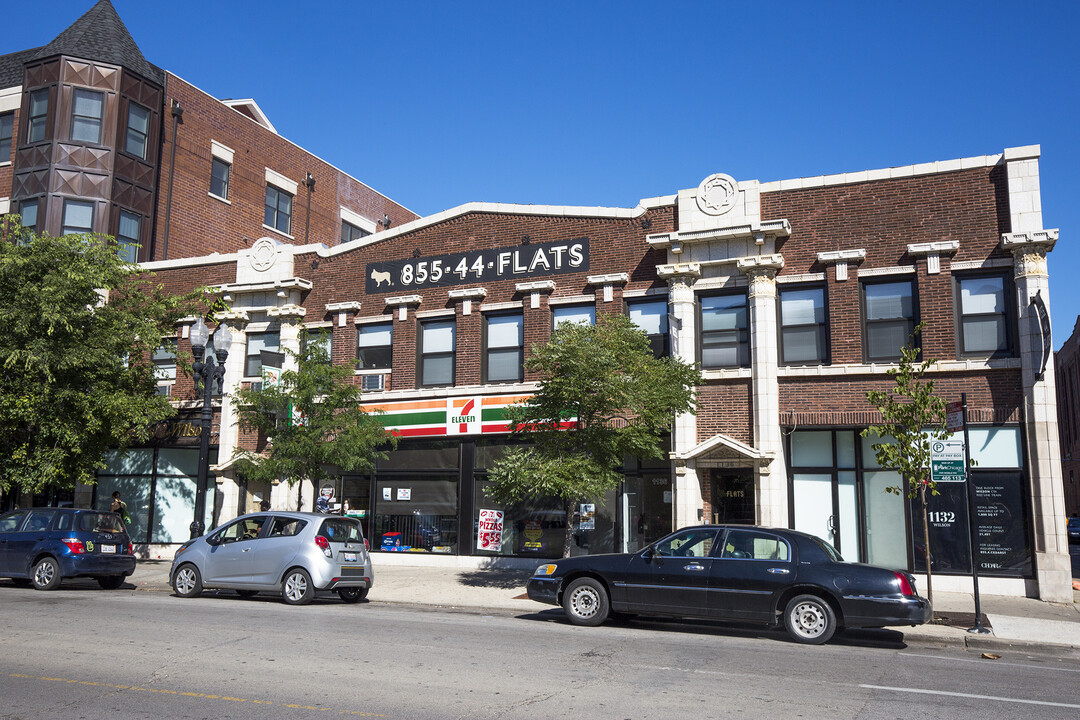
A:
(366, 546)
(905, 586)
(324, 544)
(75, 544)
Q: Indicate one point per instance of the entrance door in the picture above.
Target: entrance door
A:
(733, 497)
(828, 508)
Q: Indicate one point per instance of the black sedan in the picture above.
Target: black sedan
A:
(744, 574)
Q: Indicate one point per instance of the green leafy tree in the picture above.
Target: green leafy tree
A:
(913, 417)
(77, 327)
(313, 421)
(621, 398)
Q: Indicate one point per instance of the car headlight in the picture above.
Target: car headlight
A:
(548, 569)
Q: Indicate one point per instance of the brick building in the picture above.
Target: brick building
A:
(795, 296)
(1067, 367)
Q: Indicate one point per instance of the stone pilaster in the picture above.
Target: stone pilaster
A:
(229, 428)
(772, 490)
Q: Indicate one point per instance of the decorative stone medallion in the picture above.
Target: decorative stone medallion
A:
(263, 254)
(717, 194)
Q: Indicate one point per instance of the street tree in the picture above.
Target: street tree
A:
(78, 325)
(602, 397)
(312, 422)
(912, 418)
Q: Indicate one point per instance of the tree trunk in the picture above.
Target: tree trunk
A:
(926, 545)
(568, 538)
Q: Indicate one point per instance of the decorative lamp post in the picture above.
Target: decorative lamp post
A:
(206, 373)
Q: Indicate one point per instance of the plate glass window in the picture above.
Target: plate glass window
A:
(7, 126)
(585, 314)
(278, 209)
(219, 178)
(165, 366)
(983, 317)
(138, 130)
(86, 111)
(29, 212)
(127, 236)
(890, 319)
(256, 343)
(350, 232)
(78, 217)
(651, 316)
(724, 331)
(802, 326)
(437, 353)
(321, 340)
(505, 343)
(38, 116)
(373, 352)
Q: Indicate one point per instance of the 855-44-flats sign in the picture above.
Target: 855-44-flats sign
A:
(521, 261)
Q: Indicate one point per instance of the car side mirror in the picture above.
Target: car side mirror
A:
(649, 554)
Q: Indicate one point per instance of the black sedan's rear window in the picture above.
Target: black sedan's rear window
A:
(341, 530)
(100, 522)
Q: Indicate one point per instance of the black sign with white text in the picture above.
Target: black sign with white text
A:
(519, 262)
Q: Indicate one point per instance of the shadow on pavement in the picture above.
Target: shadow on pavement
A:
(501, 579)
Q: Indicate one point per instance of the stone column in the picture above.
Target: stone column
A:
(682, 330)
(228, 427)
(771, 480)
(1052, 561)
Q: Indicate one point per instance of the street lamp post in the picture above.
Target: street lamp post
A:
(207, 373)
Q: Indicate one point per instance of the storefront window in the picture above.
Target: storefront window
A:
(535, 528)
(416, 512)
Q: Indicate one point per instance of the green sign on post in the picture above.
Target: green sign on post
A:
(947, 461)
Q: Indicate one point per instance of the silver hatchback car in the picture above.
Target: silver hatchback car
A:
(294, 553)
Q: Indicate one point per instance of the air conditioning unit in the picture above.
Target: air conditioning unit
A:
(372, 383)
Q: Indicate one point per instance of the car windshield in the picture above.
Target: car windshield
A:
(100, 522)
(341, 530)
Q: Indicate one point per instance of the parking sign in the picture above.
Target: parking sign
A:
(947, 460)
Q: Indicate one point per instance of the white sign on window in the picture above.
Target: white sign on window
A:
(404, 493)
(489, 530)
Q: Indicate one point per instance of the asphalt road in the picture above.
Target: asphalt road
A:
(81, 652)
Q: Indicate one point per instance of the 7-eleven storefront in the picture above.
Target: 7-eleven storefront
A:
(428, 495)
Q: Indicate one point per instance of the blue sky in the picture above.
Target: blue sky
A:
(437, 104)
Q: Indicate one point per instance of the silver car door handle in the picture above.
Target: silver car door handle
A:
(693, 566)
(246, 549)
(779, 571)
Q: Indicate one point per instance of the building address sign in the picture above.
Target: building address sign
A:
(520, 261)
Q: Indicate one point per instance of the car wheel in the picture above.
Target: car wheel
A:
(110, 582)
(296, 588)
(247, 593)
(351, 595)
(46, 574)
(187, 582)
(809, 619)
(586, 602)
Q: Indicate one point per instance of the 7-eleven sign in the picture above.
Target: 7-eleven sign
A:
(464, 417)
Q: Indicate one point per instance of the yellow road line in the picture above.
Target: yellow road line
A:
(204, 696)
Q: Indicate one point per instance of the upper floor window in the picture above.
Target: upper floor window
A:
(164, 359)
(138, 130)
(256, 343)
(128, 236)
(87, 107)
(38, 117)
(373, 350)
(505, 341)
(7, 128)
(350, 232)
(725, 325)
(584, 314)
(437, 353)
(651, 316)
(219, 178)
(322, 341)
(78, 217)
(28, 210)
(279, 209)
(984, 316)
(802, 326)
(890, 319)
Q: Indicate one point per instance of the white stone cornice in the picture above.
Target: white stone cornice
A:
(609, 279)
(761, 262)
(286, 311)
(236, 316)
(468, 293)
(837, 256)
(1038, 238)
(352, 306)
(404, 300)
(677, 270)
(295, 283)
(758, 231)
(933, 248)
(535, 286)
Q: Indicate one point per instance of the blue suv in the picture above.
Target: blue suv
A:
(42, 546)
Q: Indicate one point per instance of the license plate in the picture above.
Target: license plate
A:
(348, 557)
(108, 548)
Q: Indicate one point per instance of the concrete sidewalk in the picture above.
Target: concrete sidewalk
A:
(1014, 622)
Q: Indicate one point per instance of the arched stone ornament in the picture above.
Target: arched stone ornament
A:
(717, 194)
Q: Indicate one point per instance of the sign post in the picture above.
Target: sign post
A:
(979, 628)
